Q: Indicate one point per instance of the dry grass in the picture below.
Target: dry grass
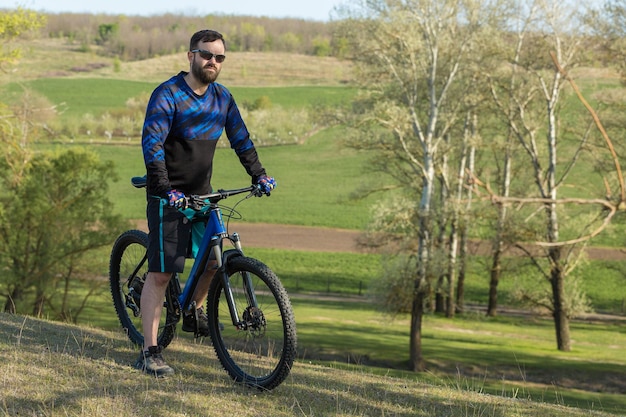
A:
(44, 58)
(55, 369)
(249, 69)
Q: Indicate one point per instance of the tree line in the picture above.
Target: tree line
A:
(132, 38)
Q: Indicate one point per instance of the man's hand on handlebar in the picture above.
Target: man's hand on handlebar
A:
(196, 202)
(177, 199)
(266, 184)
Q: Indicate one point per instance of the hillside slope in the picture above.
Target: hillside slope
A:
(54, 369)
(44, 58)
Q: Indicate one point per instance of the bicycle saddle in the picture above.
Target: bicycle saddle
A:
(139, 182)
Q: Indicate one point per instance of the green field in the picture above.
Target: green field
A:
(95, 96)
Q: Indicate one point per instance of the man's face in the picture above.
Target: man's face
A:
(206, 70)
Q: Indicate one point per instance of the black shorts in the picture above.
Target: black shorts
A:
(169, 234)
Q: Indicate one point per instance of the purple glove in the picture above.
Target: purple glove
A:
(266, 184)
(177, 199)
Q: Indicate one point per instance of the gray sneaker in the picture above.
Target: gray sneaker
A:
(151, 362)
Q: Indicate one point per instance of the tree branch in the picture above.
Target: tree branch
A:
(608, 205)
(598, 123)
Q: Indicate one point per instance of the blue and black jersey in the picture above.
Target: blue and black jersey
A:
(180, 134)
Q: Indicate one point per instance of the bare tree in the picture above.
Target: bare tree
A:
(416, 59)
(547, 47)
(510, 90)
(458, 254)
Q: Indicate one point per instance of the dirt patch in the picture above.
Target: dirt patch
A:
(322, 239)
(318, 239)
(301, 238)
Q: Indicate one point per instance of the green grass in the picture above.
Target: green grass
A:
(511, 356)
(97, 96)
(506, 356)
(315, 181)
(494, 356)
(296, 97)
(78, 97)
(604, 283)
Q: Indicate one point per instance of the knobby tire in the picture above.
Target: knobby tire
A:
(262, 355)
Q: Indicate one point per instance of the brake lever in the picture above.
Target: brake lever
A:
(257, 192)
(194, 202)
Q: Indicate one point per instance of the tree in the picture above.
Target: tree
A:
(58, 211)
(610, 23)
(107, 31)
(416, 60)
(530, 103)
(14, 24)
(54, 207)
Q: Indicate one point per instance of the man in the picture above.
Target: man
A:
(185, 117)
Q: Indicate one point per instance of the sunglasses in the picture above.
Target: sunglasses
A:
(209, 55)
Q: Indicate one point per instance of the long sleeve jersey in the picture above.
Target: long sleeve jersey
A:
(180, 134)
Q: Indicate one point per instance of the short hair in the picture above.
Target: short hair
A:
(205, 35)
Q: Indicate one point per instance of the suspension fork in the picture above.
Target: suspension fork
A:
(247, 280)
(222, 261)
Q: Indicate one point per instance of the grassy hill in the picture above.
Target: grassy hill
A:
(56, 369)
(41, 59)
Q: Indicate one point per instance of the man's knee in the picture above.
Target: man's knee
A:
(160, 279)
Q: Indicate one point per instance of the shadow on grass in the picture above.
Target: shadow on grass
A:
(54, 366)
(513, 357)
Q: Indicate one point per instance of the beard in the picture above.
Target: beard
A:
(203, 74)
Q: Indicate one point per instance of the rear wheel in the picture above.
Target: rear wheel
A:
(260, 350)
(128, 264)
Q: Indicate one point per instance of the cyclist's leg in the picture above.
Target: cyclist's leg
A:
(198, 321)
(168, 237)
(152, 297)
(198, 229)
(167, 245)
(202, 288)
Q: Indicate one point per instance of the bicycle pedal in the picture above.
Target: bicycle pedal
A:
(198, 334)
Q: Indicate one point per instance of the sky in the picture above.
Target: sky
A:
(309, 9)
(320, 10)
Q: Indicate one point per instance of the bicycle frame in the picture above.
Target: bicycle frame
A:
(214, 235)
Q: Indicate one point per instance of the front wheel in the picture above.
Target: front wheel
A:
(260, 350)
(129, 263)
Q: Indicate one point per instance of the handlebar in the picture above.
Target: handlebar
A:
(198, 201)
(212, 198)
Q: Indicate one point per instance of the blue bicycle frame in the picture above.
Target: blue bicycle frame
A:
(214, 234)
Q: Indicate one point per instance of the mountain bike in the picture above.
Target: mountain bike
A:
(251, 322)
